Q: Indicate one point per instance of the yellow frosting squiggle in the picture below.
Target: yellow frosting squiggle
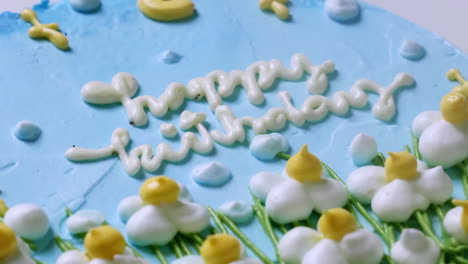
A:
(47, 31)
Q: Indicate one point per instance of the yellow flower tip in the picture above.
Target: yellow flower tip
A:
(3, 208)
(401, 165)
(454, 107)
(221, 249)
(463, 89)
(8, 242)
(453, 74)
(462, 203)
(159, 189)
(104, 242)
(336, 223)
(304, 166)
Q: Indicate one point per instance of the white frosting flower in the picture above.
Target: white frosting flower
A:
(306, 245)
(161, 210)
(195, 259)
(363, 149)
(81, 221)
(453, 224)
(22, 254)
(396, 200)
(287, 200)
(441, 142)
(28, 221)
(78, 257)
(414, 247)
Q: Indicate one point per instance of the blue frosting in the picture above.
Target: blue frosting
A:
(241, 212)
(265, 147)
(85, 6)
(212, 174)
(43, 84)
(412, 50)
(27, 131)
(342, 10)
(169, 57)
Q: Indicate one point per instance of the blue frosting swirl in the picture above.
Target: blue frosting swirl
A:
(211, 174)
(27, 131)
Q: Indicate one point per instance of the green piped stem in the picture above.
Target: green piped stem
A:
(38, 261)
(407, 148)
(415, 141)
(245, 240)
(283, 229)
(30, 244)
(68, 212)
(219, 225)
(176, 248)
(440, 212)
(196, 239)
(159, 255)
(267, 226)
(461, 260)
(463, 167)
(379, 160)
(63, 245)
(282, 155)
(183, 245)
(425, 224)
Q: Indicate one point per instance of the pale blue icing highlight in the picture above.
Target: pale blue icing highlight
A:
(169, 57)
(412, 50)
(342, 10)
(241, 212)
(265, 147)
(85, 6)
(227, 35)
(363, 149)
(27, 131)
(211, 174)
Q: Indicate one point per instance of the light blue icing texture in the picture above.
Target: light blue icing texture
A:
(43, 84)
(27, 131)
(343, 11)
(241, 212)
(212, 174)
(412, 50)
(169, 57)
(265, 147)
(85, 6)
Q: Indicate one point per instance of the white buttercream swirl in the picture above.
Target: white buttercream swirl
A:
(414, 247)
(78, 257)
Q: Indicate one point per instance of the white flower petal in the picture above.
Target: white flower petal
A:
(192, 259)
(288, 202)
(128, 259)
(150, 226)
(362, 247)
(72, 257)
(363, 149)
(435, 185)
(82, 221)
(129, 206)
(327, 194)
(101, 261)
(296, 243)
(364, 182)
(444, 143)
(453, 225)
(28, 220)
(326, 251)
(266, 146)
(263, 182)
(424, 120)
(396, 201)
(414, 247)
(187, 217)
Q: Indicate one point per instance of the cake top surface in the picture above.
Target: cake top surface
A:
(44, 85)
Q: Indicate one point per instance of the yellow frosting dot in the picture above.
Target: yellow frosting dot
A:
(220, 249)
(3, 208)
(159, 189)
(8, 243)
(163, 10)
(401, 165)
(336, 223)
(454, 107)
(277, 6)
(304, 166)
(104, 242)
(464, 217)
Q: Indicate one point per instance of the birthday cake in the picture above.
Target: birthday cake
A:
(230, 131)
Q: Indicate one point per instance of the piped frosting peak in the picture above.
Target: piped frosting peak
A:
(304, 166)
(401, 165)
